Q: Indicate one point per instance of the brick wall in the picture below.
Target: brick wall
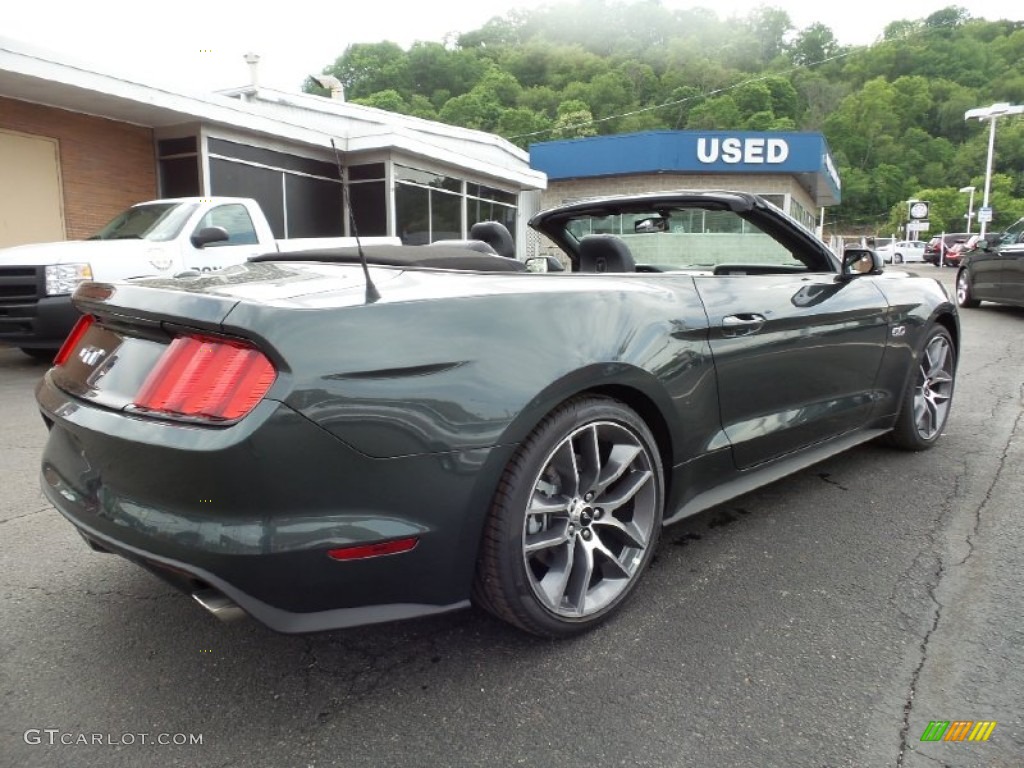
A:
(105, 165)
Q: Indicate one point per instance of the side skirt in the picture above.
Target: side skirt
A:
(752, 479)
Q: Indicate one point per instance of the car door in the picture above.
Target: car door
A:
(796, 350)
(1011, 259)
(986, 271)
(242, 241)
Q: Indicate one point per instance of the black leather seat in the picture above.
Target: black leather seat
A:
(605, 253)
(496, 235)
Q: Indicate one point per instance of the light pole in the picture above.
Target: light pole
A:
(991, 113)
(970, 207)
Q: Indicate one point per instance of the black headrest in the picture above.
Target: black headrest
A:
(605, 253)
(474, 245)
(496, 235)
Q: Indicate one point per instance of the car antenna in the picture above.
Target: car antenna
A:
(372, 294)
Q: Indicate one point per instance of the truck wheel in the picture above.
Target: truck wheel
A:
(43, 355)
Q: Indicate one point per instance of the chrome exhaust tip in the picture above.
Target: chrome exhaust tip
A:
(218, 604)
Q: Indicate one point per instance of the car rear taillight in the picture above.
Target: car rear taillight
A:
(80, 329)
(206, 378)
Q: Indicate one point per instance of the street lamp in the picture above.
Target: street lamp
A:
(991, 113)
(970, 207)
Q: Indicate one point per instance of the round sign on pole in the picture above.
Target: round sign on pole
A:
(919, 210)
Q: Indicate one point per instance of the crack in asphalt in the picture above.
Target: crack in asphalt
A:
(47, 508)
(936, 580)
(827, 477)
(361, 672)
(991, 487)
(909, 703)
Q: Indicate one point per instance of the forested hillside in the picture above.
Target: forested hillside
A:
(893, 112)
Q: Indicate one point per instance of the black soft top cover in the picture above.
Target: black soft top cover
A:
(433, 257)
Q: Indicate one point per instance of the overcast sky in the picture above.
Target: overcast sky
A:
(199, 46)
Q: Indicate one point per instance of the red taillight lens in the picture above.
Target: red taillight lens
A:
(207, 378)
(363, 551)
(80, 329)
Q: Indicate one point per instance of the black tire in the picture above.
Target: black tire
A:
(926, 402)
(898, 258)
(43, 355)
(964, 297)
(574, 521)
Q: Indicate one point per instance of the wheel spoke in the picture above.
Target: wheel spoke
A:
(612, 560)
(556, 580)
(564, 463)
(556, 535)
(579, 582)
(547, 505)
(590, 453)
(625, 490)
(619, 460)
(629, 532)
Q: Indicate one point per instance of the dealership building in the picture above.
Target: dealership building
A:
(795, 171)
(77, 146)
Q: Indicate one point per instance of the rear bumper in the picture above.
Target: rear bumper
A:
(252, 509)
(193, 580)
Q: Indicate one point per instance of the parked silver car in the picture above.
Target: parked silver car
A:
(903, 251)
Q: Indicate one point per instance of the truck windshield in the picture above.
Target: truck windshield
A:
(157, 221)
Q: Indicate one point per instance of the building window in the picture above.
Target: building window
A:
(178, 163)
(300, 196)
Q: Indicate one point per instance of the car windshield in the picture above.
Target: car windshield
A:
(1013, 234)
(154, 221)
(688, 238)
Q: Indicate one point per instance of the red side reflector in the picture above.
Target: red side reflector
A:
(83, 325)
(207, 378)
(363, 551)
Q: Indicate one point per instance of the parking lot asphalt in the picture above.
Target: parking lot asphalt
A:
(824, 620)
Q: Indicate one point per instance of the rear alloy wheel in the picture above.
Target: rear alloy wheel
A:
(963, 291)
(898, 258)
(926, 403)
(575, 520)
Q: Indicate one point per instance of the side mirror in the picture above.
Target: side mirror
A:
(208, 235)
(651, 224)
(861, 261)
(544, 264)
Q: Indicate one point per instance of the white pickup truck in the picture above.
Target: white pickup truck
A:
(155, 238)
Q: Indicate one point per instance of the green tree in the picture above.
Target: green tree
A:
(366, 68)
(719, 113)
(813, 45)
(574, 120)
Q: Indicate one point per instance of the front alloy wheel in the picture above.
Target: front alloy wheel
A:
(575, 520)
(926, 402)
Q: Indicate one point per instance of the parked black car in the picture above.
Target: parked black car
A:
(992, 274)
(942, 245)
(283, 438)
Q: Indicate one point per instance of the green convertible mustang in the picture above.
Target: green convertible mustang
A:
(331, 438)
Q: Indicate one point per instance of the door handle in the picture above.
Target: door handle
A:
(742, 324)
